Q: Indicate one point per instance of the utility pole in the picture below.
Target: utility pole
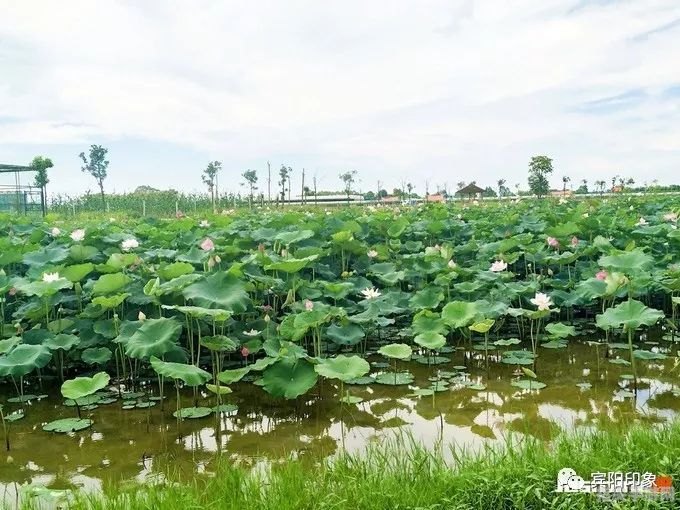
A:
(427, 188)
(377, 195)
(269, 182)
(314, 180)
(290, 171)
(302, 196)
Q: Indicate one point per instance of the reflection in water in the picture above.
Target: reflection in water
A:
(143, 445)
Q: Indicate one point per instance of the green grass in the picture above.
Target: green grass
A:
(402, 474)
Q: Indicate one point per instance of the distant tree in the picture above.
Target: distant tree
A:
(489, 192)
(96, 166)
(250, 176)
(397, 192)
(539, 168)
(565, 180)
(600, 185)
(305, 193)
(209, 178)
(630, 182)
(348, 180)
(614, 181)
(284, 173)
(583, 188)
(382, 193)
(460, 184)
(409, 187)
(41, 164)
(501, 186)
(369, 195)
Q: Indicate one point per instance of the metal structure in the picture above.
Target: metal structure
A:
(20, 198)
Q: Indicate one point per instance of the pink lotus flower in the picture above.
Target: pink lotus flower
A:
(553, 242)
(12, 291)
(601, 275)
(207, 244)
(244, 352)
(309, 306)
(574, 241)
(498, 266)
(266, 308)
(179, 214)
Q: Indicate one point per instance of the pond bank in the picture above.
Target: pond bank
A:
(401, 474)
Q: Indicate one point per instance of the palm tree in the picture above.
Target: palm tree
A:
(565, 180)
(600, 185)
(501, 184)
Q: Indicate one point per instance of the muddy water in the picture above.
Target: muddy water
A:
(140, 444)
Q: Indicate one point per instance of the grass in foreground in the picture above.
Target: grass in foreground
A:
(401, 475)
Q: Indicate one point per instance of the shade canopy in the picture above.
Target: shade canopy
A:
(470, 189)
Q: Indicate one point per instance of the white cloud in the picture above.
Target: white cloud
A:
(436, 90)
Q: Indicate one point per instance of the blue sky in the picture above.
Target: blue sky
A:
(437, 91)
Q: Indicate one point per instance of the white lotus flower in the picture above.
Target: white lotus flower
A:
(642, 222)
(452, 264)
(670, 217)
(370, 293)
(585, 215)
(141, 316)
(372, 254)
(112, 220)
(129, 244)
(78, 235)
(252, 332)
(55, 232)
(50, 277)
(204, 224)
(542, 301)
(498, 266)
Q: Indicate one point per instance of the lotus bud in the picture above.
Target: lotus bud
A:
(244, 351)
(2, 272)
(115, 316)
(218, 259)
(12, 291)
(260, 248)
(141, 316)
(267, 318)
(211, 263)
(284, 253)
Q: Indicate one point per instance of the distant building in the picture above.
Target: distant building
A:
(391, 199)
(617, 189)
(435, 198)
(561, 193)
(470, 191)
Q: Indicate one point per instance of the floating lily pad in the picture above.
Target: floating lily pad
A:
(144, 405)
(431, 360)
(395, 379)
(555, 344)
(423, 392)
(619, 361)
(66, 425)
(192, 412)
(507, 341)
(351, 399)
(584, 385)
(528, 384)
(627, 377)
(225, 408)
(15, 416)
(361, 380)
(380, 364)
(24, 398)
(648, 355)
(624, 394)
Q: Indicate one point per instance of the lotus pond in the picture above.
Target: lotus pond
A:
(131, 347)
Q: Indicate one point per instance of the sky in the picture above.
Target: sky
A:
(430, 92)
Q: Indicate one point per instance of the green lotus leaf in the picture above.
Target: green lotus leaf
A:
(630, 315)
(219, 343)
(234, 375)
(192, 413)
(291, 265)
(41, 288)
(220, 290)
(62, 341)
(427, 321)
(288, 238)
(174, 270)
(430, 340)
(77, 272)
(7, 345)
(60, 325)
(349, 334)
(476, 387)
(459, 314)
(342, 367)
(482, 326)
(110, 302)
(262, 363)
(559, 330)
(175, 285)
(81, 252)
(83, 386)
(555, 344)
(23, 359)
(648, 355)
(528, 384)
(96, 355)
(289, 378)
(628, 262)
(198, 312)
(67, 425)
(429, 297)
(191, 375)
(507, 341)
(50, 255)
(351, 399)
(338, 290)
(394, 378)
(154, 337)
(225, 408)
(110, 284)
(396, 351)
(218, 390)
